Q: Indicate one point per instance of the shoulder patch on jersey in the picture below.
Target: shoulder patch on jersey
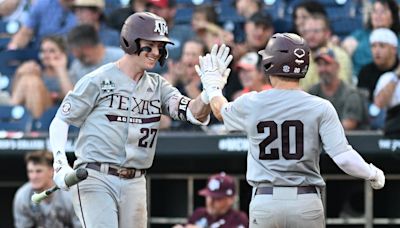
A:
(66, 108)
(107, 86)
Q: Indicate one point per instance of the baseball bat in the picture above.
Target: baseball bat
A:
(70, 179)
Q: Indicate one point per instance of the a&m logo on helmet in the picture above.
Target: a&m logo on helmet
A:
(161, 27)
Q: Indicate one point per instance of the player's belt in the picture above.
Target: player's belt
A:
(300, 190)
(127, 173)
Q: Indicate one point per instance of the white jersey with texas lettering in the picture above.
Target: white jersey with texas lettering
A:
(286, 129)
(119, 119)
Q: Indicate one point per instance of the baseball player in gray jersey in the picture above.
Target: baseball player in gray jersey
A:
(285, 127)
(118, 109)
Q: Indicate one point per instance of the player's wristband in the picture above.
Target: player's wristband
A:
(182, 108)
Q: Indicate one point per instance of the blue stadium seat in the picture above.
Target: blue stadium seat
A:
(43, 123)
(228, 13)
(112, 5)
(3, 43)
(11, 59)
(184, 15)
(15, 118)
(192, 2)
(344, 26)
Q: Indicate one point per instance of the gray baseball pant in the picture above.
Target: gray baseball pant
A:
(107, 201)
(286, 209)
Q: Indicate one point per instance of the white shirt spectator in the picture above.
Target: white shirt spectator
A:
(384, 79)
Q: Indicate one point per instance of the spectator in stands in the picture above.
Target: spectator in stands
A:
(117, 17)
(205, 25)
(387, 97)
(178, 34)
(89, 52)
(92, 12)
(384, 14)
(218, 211)
(317, 32)
(55, 211)
(46, 17)
(258, 28)
(183, 76)
(251, 74)
(384, 46)
(245, 9)
(39, 87)
(303, 11)
(348, 102)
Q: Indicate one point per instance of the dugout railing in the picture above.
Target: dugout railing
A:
(367, 220)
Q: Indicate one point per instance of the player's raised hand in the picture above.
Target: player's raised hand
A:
(378, 180)
(221, 56)
(212, 80)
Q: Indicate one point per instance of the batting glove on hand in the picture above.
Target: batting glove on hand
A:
(220, 59)
(377, 180)
(212, 80)
(61, 169)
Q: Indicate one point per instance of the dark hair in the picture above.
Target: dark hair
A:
(39, 157)
(204, 48)
(261, 18)
(311, 6)
(82, 35)
(324, 18)
(209, 11)
(394, 10)
(58, 40)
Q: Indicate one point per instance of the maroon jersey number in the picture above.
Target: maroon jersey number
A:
(273, 135)
(148, 132)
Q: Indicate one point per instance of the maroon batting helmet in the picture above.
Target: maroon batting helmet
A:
(287, 55)
(146, 26)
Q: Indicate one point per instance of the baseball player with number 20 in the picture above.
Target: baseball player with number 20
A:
(118, 109)
(285, 127)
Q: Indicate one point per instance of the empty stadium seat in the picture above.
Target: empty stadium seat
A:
(15, 118)
(11, 59)
(184, 15)
(43, 123)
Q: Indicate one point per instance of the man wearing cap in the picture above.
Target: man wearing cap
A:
(347, 101)
(244, 8)
(251, 74)
(384, 53)
(258, 29)
(220, 197)
(92, 12)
